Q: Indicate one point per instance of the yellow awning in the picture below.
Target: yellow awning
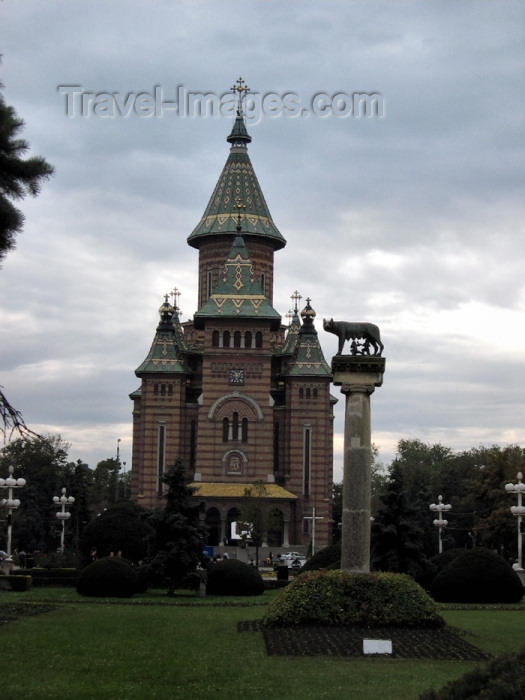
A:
(220, 490)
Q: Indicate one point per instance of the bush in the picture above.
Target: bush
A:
(477, 576)
(502, 678)
(232, 577)
(121, 527)
(344, 598)
(436, 564)
(108, 577)
(327, 558)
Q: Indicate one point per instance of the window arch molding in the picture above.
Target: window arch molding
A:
(238, 397)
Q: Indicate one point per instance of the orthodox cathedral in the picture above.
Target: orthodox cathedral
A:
(240, 397)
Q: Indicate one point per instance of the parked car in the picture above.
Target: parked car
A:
(294, 560)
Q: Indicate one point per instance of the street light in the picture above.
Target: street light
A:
(440, 522)
(518, 510)
(10, 503)
(62, 514)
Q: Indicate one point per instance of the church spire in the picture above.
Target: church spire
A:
(308, 359)
(239, 137)
(237, 188)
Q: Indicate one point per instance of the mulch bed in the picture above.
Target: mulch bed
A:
(407, 643)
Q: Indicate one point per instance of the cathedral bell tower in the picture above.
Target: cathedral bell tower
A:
(241, 398)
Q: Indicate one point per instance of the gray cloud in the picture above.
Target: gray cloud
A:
(414, 220)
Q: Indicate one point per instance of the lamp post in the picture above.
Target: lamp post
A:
(440, 522)
(10, 503)
(518, 510)
(63, 501)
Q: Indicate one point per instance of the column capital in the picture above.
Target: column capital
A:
(358, 373)
(355, 388)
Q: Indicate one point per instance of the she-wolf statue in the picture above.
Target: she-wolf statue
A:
(347, 330)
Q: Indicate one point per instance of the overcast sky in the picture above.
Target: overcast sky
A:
(413, 219)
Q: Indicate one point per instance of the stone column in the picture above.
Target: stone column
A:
(286, 537)
(358, 377)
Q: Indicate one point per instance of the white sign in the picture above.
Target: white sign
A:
(377, 646)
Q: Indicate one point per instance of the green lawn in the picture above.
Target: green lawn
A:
(164, 649)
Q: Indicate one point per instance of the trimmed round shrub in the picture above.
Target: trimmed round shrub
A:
(121, 527)
(232, 577)
(335, 597)
(502, 678)
(477, 576)
(446, 558)
(108, 577)
(327, 558)
(437, 563)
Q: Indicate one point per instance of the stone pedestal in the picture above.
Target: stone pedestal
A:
(358, 376)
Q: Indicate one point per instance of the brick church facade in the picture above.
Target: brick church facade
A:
(236, 394)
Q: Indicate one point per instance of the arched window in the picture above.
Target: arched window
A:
(156, 390)
(215, 339)
(226, 339)
(244, 430)
(163, 390)
(315, 393)
(237, 339)
(308, 393)
(258, 339)
(235, 426)
(248, 339)
(225, 429)
(301, 393)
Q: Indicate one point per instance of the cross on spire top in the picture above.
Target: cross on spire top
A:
(296, 298)
(175, 294)
(241, 89)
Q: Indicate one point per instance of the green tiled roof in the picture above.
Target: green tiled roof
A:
(237, 190)
(290, 342)
(169, 345)
(238, 292)
(308, 359)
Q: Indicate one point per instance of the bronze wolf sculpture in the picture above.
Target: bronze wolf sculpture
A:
(346, 330)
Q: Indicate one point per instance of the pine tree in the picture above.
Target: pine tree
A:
(18, 177)
(397, 543)
(176, 547)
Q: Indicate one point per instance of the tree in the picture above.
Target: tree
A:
(18, 177)
(396, 536)
(255, 517)
(80, 484)
(120, 528)
(42, 462)
(495, 526)
(106, 487)
(11, 420)
(432, 470)
(176, 545)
